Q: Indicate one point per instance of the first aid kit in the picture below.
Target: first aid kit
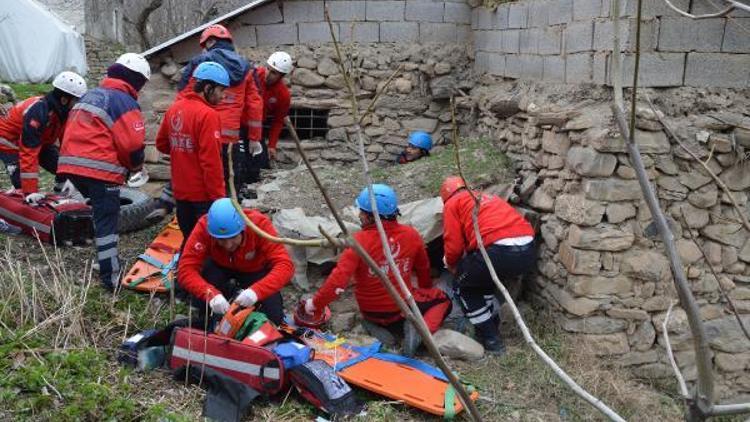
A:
(54, 219)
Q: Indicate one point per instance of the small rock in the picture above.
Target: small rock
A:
(577, 306)
(705, 197)
(343, 322)
(578, 261)
(652, 142)
(402, 85)
(731, 234)
(607, 344)
(599, 285)
(688, 251)
(619, 212)
(307, 78)
(327, 67)
(612, 190)
(542, 201)
(307, 62)
(742, 136)
(702, 136)
(720, 143)
(737, 177)
(555, 142)
(169, 69)
(588, 162)
(628, 314)
(600, 238)
(593, 325)
(644, 337)
(577, 210)
(442, 68)
(646, 265)
(457, 346)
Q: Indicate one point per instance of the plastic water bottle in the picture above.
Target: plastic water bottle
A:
(8, 228)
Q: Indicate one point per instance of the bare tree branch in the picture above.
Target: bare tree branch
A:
(577, 389)
(704, 393)
(713, 175)
(706, 16)
(142, 22)
(716, 276)
(728, 409)
(388, 81)
(680, 379)
(418, 321)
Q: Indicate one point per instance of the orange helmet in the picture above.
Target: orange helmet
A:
(216, 31)
(451, 185)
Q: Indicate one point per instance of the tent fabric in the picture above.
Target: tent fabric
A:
(35, 45)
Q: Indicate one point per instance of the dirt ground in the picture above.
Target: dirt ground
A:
(516, 386)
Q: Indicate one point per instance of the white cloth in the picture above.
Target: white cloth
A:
(34, 198)
(35, 45)
(515, 241)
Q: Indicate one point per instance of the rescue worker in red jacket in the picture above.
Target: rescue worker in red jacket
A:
(509, 240)
(103, 141)
(191, 134)
(381, 316)
(241, 110)
(276, 103)
(31, 130)
(223, 257)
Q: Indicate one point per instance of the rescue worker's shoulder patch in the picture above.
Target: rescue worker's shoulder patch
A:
(198, 246)
(34, 123)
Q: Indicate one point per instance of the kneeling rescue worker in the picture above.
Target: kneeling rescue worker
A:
(30, 131)
(191, 134)
(382, 317)
(223, 257)
(103, 141)
(509, 240)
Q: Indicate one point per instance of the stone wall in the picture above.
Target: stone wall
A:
(601, 262)
(433, 53)
(99, 56)
(571, 41)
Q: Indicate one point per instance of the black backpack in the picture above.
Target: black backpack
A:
(319, 384)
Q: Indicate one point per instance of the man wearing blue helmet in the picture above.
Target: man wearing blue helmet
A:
(381, 316)
(224, 258)
(191, 134)
(420, 144)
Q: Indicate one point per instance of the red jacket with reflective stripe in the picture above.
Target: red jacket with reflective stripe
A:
(27, 128)
(497, 220)
(104, 135)
(191, 134)
(408, 251)
(242, 106)
(276, 103)
(253, 255)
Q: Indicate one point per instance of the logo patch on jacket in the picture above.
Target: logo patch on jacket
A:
(249, 256)
(138, 126)
(34, 123)
(198, 246)
(272, 100)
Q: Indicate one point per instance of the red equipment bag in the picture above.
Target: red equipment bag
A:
(255, 366)
(56, 219)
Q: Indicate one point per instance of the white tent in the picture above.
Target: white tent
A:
(35, 45)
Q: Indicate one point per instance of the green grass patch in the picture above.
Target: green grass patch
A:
(24, 91)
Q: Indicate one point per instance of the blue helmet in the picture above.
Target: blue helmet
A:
(385, 198)
(212, 71)
(223, 219)
(421, 139)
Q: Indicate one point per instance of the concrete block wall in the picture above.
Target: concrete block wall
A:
(293, 22)
(571, 41)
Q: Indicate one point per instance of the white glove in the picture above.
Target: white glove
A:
(309, 307)
(219, 304)
(246, 298)
(138, 179)
(34, 198)
(255, 148)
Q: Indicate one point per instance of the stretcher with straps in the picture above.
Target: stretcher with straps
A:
(397, 377)
(155, 269)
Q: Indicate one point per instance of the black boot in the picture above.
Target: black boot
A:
(487, 334)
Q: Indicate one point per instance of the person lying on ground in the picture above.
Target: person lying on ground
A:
(191, 134)
(420, 144)
(30, 133)
(382, 317)
(224, 258)
(509, 240)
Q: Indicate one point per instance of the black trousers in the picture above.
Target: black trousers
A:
(474, 286)
(188, 213)
(230, 282)
(105, 207)
(239, 160)
(254, 164)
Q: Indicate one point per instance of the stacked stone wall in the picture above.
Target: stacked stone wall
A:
(602, 264)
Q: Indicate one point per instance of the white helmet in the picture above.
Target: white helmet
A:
(70, 83)
(136, 63)
(280, 62)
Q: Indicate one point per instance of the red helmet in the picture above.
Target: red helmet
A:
(316, 320)
(216, 31)
(451, 185)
